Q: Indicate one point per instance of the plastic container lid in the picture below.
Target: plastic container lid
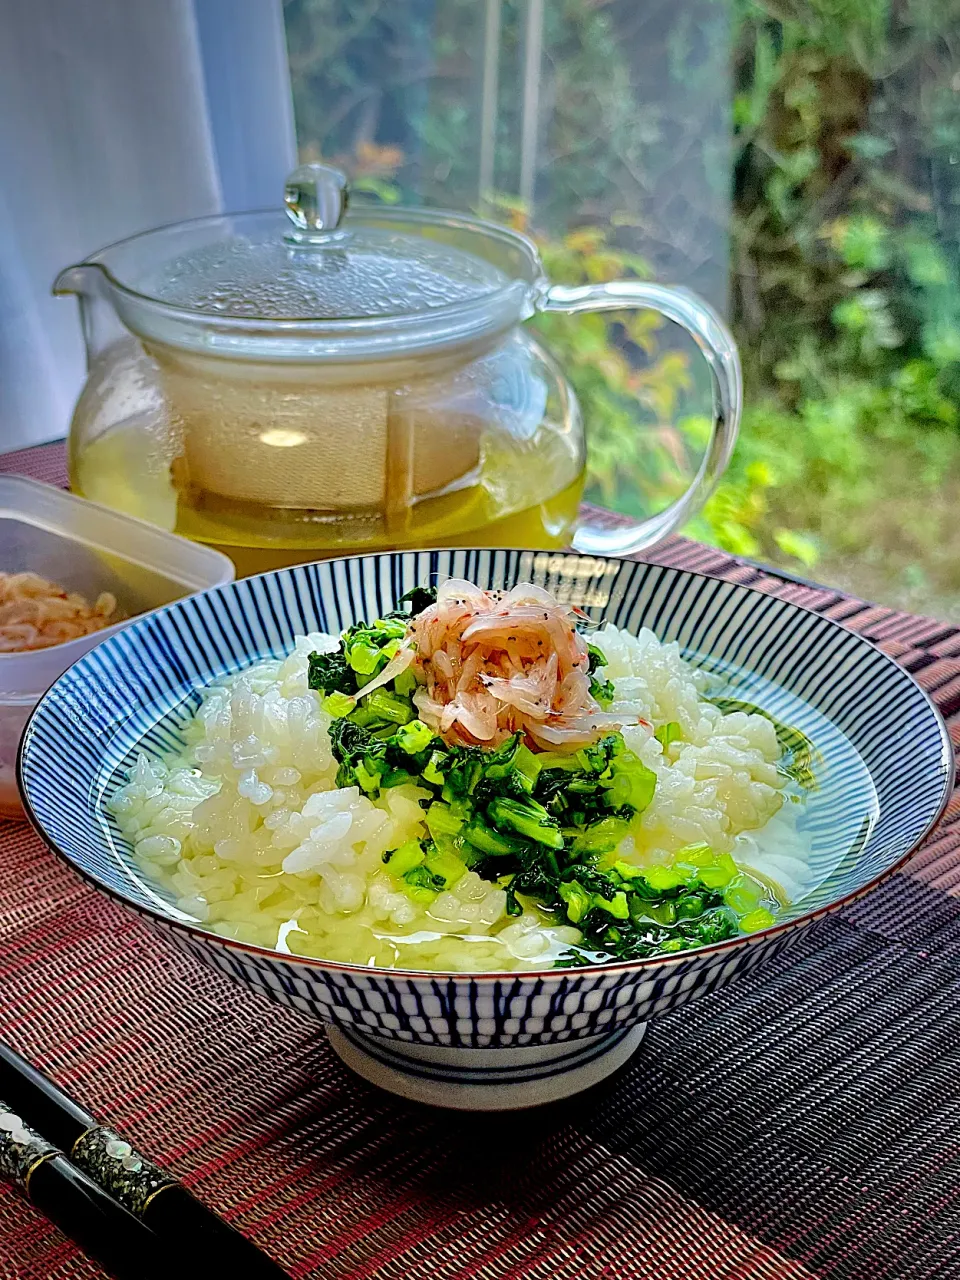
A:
(89, 549)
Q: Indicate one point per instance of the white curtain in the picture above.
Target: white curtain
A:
(116, 116)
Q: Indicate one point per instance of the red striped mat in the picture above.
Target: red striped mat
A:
(803, 1123)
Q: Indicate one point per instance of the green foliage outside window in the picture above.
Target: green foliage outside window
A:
(845, 239)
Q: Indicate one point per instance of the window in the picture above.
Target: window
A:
(798, 165)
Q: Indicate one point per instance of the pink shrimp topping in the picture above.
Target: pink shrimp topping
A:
(491, 663)
(36, 613)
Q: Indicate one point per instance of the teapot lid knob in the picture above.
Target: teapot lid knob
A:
(316, 198)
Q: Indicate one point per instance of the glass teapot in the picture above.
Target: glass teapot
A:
(325, 382)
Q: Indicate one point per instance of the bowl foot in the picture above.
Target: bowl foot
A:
(484, 1079)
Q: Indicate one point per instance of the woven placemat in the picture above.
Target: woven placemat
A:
(804, 1122)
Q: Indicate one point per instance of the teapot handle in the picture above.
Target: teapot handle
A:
(718, 349)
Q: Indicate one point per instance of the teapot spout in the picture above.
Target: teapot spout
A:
(83, 279)
(90, 284)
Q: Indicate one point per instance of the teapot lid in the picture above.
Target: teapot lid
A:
(320, 267)
(322, 281)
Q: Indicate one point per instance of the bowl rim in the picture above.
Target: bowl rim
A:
(671, 960)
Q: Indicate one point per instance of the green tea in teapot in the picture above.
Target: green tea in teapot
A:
(314, 381)
(275, 470)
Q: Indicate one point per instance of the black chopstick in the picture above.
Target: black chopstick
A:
(178, 1218)
(92, 1219)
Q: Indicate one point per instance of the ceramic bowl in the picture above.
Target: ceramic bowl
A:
(482, 1041)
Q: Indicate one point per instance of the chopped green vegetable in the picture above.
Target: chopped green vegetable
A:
(664, 913)
(394, 628)
(388, 707)
(361, 756)
(367, 779)
(364, 651)
(719, 873)
(573, 958)
(405, 858)
(713, 926)
(553, 760)
(632, 783)
(578, 900)
(363, 658)
(368, 649)
(743, 894)
(463, 774)
(616, 906)
(690, 906)
(405, 683)
(514, 908)
(445, 866)
(500, 763)
(597, 658)
(667, 733)
(330, 673)
(698, 855)
(489, 841)
(662, 878)
(627, 871)
(432, 772)
(756, 920)
(418, 598)
(581, 789)
(600, 689)
(527, 765)
(598, 757)
(365, 717)
(527, 819)
(421, 884)
(441, 821)
(397, 778)
(339, 704)
(602, 837)
(414, 737)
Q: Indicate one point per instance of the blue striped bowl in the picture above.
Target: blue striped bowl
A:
(477, 1041)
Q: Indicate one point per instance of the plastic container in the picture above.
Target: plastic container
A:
(87, 548)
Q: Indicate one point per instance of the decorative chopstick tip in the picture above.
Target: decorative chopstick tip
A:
(110, 1160)
(21, 1148)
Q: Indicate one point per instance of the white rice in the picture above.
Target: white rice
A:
(249, 833)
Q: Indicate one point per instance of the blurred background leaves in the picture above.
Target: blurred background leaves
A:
(796, 161)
